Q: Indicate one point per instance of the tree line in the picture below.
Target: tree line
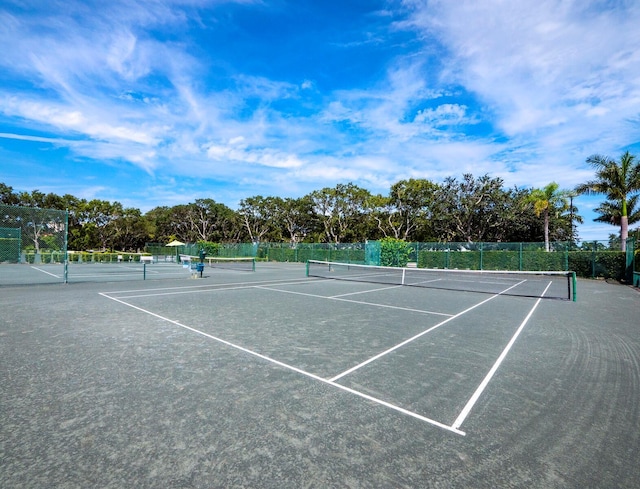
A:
(466, 209)
(469, 209)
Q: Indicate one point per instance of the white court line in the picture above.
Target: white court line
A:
(203, 288)
(364, 291)
(48, 273)
(399, 345)
(336, 298)
(454, 428)
(212, 288)
(467, 408)
(295, 369)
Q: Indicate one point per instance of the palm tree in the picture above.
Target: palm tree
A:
(619, 181)
(545, 200)
(611, 213)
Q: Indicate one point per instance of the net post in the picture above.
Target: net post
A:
(404, 270)
(574, 283)
(144, 271)
(307, 269)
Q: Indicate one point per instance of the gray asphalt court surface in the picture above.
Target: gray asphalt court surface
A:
(270, 379)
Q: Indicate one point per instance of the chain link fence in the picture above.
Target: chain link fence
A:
(38, 237)
(592, 259)
(32, 236)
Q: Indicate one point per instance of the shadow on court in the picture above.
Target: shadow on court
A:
(269, 379)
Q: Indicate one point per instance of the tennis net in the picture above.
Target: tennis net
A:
(244, 264)
(554, 285)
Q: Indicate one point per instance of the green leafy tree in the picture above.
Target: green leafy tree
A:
(519, 223)
(471, 209)
(130, 230)
(296, 217)
(611, 213)
(202, 220)
(161, 222)
(342, 211)
(40, 220)
(405, 212)
(258, 216)
(96, 216)
(7, 196)
(619, 181)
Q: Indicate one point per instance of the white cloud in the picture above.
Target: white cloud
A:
(541, 63)
(236, 150)
(445, 114)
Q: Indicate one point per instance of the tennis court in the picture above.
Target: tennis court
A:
(73, 272)
(274, 379)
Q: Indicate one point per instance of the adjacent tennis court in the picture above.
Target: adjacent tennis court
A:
(271, 378)
(73, 272)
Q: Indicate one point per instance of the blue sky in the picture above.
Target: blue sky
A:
(161, 102)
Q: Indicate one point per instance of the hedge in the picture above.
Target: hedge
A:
(592, 264)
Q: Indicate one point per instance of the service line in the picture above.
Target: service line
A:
(338, 298)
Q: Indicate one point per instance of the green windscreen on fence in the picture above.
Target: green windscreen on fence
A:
(633, 271)
(630, 257)
(10, 245)
(588, 259)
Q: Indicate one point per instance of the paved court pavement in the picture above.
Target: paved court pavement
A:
(221, 383)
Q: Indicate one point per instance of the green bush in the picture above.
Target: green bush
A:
(211, 249)
(605, 264)
(590, 264)
(394, 252)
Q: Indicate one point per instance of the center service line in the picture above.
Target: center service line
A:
(407, 341)
(469, 406)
